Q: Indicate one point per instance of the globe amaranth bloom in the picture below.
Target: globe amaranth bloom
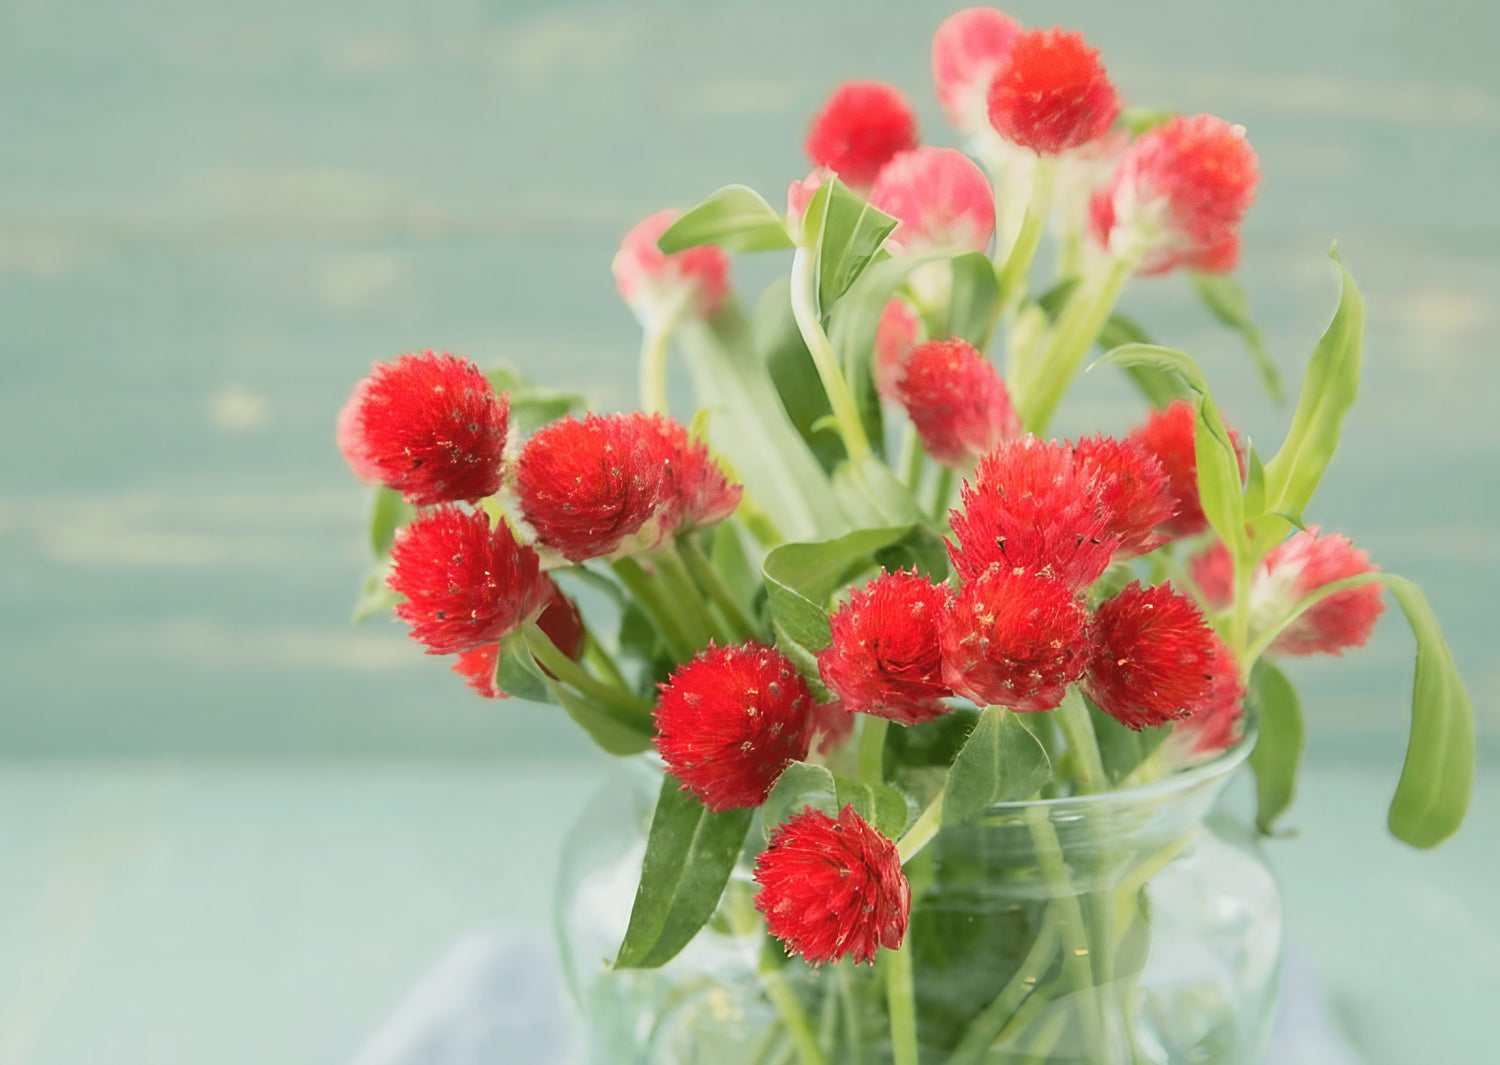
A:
(957, 402)
(1052, 93)
(1168, 434)
(429, 426)
(465, 583)
(1178, 195)
(560, 620)
(884, 657)
(832, 888)
(1219, 721)
(731, 720)
(940, 199)
(654, 283)
(1015, 639)
(615, 484)
(859, 128)
(1153, 659)
(1133, 489)
(896, 337)
(1300, 565)
(968, 50)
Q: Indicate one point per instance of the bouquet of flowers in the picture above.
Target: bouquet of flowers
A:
(862, 524)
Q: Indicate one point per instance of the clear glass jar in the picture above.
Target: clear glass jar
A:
(1135, 927)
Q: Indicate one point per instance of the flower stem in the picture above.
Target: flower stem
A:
(942, 493)
(712, 582)
(653, 368)
(658, 607)
(911, 458)
(792, 1015)
(922, 830)
(595, 654)
(689, 599)
(572, 674)
(1018, 259)
(988, 1026)
(1073, 719)
(901, 1004)
(805, 310)
(872, 734)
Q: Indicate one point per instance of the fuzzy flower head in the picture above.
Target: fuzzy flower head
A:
(940, 199)
(957, 401)
(1154, 657)
(1301, 565)
(1133, 488)
(1168, 434)
(731, 720)
(896, 337)
(1178, 196)
(559, 619)
(465, 584)
(696, 490)
(968, 50)
(1015, 639)
(1219, 721)
(654, 283)
(859, 128)
(1032, 507)
(831, 888)
(1052, 94)
(884, 658)
(430, 426)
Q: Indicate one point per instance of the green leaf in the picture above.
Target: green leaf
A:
(690, 853)
(1255, 484)
(736, 218)
(375, 596)
(779, 344)
(518, 675)
(847, 232)
(880, 805)
(1159, 387)
(602, 725)
(1279, 742)
(1122, 749)
(1001, 762)
(1328, 391)
(976, 290)
(1227, 302)
(800, 785)
(868, 493)
(532, 405)
(388, 512)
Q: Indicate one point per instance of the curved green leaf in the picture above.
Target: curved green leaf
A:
(976, 290)
(1000, 762)
(736, 218)
(1280, 738)
(847, 233)
(388, 512)
(868, 493)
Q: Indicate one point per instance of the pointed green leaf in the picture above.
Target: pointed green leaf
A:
(881, 805)
(1159, 387)
(800, 785)
(690, 853)
(388, 512)
(1280, 738)
(1001, 762)
(736, 218)
(976, 290)
(847, 232)
(1227, 302)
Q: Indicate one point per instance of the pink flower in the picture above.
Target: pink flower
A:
(1219, 721)
(896, 337)
(940, 199)
(858, 129)
(1178, 196)
(731, 720)
(1153, 659)
(832, 888)
(1052, 94)
(1212, 571)
(1301, 565)
(968, 49)
(957, 402)
(651, 281)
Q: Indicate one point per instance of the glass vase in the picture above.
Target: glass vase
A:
(1134, 927)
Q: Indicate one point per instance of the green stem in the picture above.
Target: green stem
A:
(648, 593)
(595, 655)
(853, 1034)
(942, 493)
(988, 1026)
(712, 582)
(575, 676)
(791, 1013)
(901, 1004)
(1018, 261)
(1073, 719)
(805, 310)
(653, 368)
(911, 458)
(688, 599)
(872, 732)
(922, 830)
(1239, 621)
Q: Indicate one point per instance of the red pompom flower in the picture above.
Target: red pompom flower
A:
(1153, 659)
(831, 888)
(957, 402)
(1301, 565)
(1212, 571)
(896, 337)
(1168, 434)
(559, 619)
(1052, 94)
(968, 49)
(884, 658)
(1133, 489)
(465, 584)
(731, 720)
(1015, 639)
(430, 426)
(654, 283)
(1219, 722)
(940, 199)
(697, 491)
(858, 129)
(1178, 196)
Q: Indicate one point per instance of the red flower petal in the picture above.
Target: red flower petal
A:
(477, 667)
(650, 280)
(1304, 563)
(968, 49)
(1052, 94)
(957, 402)
(430, 426)
(940, 199)
(1219, 722)
(731, 720)
(858, 129)
(896, 337)
(1168, 434)
(1213, 572)
(700, 493)
(1153, 658)
(1134, 489)
(832, 888)
(1015, 639)
(884, 658)
(465, 584)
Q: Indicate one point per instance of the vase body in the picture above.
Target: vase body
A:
(1138, 927)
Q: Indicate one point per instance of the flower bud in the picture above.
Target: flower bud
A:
(858, 129)
(1052, 94)
(1153, 659)
(968, 49)
(654, 283)
(940, 199)
(957, 402)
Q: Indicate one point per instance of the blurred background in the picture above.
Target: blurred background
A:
(235, 829)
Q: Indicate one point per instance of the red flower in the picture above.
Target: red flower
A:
(1178, 195)
(832, 888)
(1213, 572)
(1153, 659)
(968, 49)
(731, 720)
(884, 658)
(465, 584)
(477, 667)
(559, 619)
(1301, 565)
(896, 338)
(860, 126)
(832, 726)
(1168, 434)
(1032, 507)
(651, 281)
(1015, 639)
(696, 486)
(1134, 489)
(429, 426)
(940, 199)
(1219, 723)
(957, 402)
(1052, 94)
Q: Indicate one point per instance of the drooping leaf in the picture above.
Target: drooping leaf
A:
(388, 512)
(1159, 387)
(690, 853)
(847, 233)
(736, 218)
(533, 405)
(867, 493)
(1001, 762)
(1279, 742)
(1227, 302)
